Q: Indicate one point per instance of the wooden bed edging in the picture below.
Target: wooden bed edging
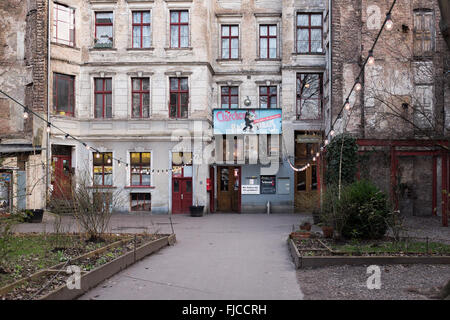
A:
(103, 272)
(324, 261)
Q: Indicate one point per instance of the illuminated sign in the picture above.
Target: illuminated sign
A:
(247, 121)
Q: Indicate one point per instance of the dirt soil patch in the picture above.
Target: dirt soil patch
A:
(383, 247)
(34, 252)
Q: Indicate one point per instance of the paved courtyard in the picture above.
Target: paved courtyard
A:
(220, 256)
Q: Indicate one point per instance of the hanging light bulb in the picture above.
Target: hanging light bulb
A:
(325, 142)
(25, 114)
(389, 22)
(86, 146)
(97, 155)
(48, 127)
(358, 85)
(318, 154)
(66, 136)
(120, 164)
(371, 59)
(332, 132)
(109, 160)
(347, 105)
(314, 158)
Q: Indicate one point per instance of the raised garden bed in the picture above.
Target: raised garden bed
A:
(319, 252)
(96, 264)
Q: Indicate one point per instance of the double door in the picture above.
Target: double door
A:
(181, 195)
(229, 189)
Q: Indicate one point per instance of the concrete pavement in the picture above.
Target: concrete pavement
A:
(220, 256)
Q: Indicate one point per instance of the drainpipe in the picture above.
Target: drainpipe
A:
(47, 173)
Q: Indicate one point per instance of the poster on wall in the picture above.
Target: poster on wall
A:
(247, 121)
(268, 185)
(250, 189)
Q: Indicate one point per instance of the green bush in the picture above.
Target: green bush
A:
(362, 211)
(366, 211)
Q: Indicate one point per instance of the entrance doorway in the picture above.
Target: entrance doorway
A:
(181, 195)
(61, 177)
(229, 189)
(306, 194)
(62, 171)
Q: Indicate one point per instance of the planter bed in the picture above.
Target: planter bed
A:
(96, 265)
(324, 252)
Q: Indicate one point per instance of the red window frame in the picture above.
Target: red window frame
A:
(299, 96)
(55, 93)
(309, 28)
(102, 92)
(58, 7)
(141, 93)
(267, 38)
(139, 167)
(268, 95)
(178, 25)
(103, 24)
(141, 206)
(229, 95)
(141, 25)
(229, 37)
(178, 92)
(105, 156)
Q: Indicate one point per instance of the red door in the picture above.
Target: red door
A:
(181, 195)
(62, 177)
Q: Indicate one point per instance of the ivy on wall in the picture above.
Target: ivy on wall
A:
(349, 167)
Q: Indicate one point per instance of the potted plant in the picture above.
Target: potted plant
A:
(306, 226)
(299, 235)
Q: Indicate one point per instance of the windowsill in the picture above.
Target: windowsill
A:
(308, 53)
(64, 116)
(139, 118)
(64, 46)
(269, 59)
(179, 49)
(102, 49)
(102, 187)
(139, 187)
(141, 49)
(308, 120)
(229, 60)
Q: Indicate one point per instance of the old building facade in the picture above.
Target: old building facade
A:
(401, 114)
(214, 103)
(23, 74)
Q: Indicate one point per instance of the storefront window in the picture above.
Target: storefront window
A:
(182, 164)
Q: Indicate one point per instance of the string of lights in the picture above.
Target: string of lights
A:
(26, 114)
(388, 24)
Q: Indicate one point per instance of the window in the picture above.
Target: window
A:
(230, 42)
(103, 97)
(268, 185)
(182, 164)
(423, 32)
(141, 29)
(309, 96)
(140, 97)
(63, 94)
(179, 97)
(140, 168)
(63, 25)
(103, 169)
(141, 201)
(229, 97)
(309, 33)
(103, 30)
(179, 29)
(267, 41)
(268, 97)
